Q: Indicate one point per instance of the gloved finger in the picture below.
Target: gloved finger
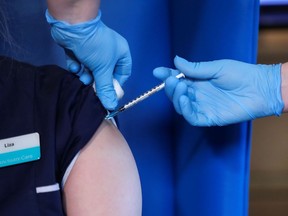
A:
(181, 89)
(197, 70)
(122, 73)
(105, 89)
(73, 65)
(81, 70)
(123, 68)
(170, 85)
(191, 94)
(191, 114)
(163, 73)
(86, 77)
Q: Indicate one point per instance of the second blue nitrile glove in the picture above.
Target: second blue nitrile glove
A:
(100, 49)
(223, 92)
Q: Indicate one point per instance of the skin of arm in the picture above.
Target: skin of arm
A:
(73, 11)
(284, 85)
(104, 180)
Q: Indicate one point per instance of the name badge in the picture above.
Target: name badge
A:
(19, 149)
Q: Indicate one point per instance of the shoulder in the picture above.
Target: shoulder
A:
(47, 84)
(8, 64)
(12, 68)
(46, 78)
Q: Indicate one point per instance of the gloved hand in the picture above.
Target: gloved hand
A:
(76, 67)
(223, 92)
(100, 49)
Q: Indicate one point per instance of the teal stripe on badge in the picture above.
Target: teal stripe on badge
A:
(20, 156)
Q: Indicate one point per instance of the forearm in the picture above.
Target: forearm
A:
(284, 85)
(73, 11)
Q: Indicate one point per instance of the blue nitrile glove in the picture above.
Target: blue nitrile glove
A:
(100, 49)
(76, 67)
(223, 92)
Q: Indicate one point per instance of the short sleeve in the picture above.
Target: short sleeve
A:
(79, 113)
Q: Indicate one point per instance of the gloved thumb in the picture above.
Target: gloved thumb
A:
(122, 70)
(196, 70)
(105, 90)
(81, 71)
(85, 76)
(163, 73)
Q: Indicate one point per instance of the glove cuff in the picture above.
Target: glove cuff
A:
(278, 103)
(63, 24)
(62, 32)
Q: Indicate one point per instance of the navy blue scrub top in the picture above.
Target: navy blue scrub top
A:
(64, 112)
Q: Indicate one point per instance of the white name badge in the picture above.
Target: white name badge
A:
(19, 149)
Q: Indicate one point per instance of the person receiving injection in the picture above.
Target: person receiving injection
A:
(223, 92)
(54, 164)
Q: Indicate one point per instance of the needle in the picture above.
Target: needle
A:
(140, 98)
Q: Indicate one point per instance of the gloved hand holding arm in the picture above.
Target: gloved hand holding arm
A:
(224, 92)
(73, 12)
(77, 27)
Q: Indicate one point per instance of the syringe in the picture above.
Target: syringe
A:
(140, 98)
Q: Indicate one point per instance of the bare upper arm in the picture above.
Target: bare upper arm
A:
(104, 180)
